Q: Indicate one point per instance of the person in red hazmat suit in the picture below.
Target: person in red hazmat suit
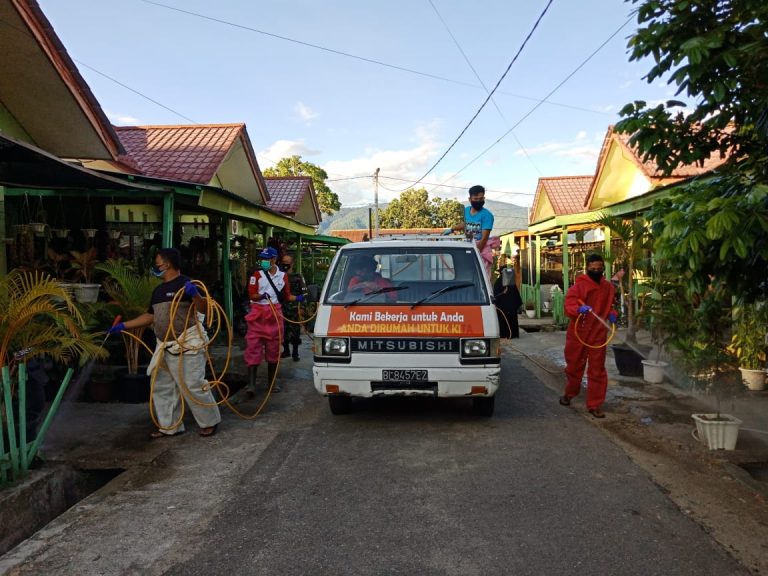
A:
(268, 287)
(586, 336)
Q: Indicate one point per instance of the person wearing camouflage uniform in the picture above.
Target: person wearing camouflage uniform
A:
(291, 331)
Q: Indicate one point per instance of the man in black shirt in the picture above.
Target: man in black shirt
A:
(180, 354)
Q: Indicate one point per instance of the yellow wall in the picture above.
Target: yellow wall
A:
(306, 212)
(235, 175)
(544, 208)
(620, 179)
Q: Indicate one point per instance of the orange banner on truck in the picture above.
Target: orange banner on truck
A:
(446, 321)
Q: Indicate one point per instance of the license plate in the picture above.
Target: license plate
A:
(404, 375)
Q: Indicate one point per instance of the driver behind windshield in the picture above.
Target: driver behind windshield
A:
(365, 278)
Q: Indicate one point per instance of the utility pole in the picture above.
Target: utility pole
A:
(376, 201)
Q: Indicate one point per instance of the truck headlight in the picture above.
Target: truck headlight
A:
(335, 346)
(474, 347)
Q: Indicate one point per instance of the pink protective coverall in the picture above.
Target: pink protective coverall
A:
(265, 320)
(591, 331)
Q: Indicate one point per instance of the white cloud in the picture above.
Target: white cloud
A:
(121, 119)
(284, 149)
(581, 146)
(304, 112)
(406, 164)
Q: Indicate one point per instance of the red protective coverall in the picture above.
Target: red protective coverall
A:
(591, 331)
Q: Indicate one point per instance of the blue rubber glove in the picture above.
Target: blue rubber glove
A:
(584, 309)
(300, 298)
(612, 317)
(117, 328)
(447, 231)
(190, 289)
(265, 296)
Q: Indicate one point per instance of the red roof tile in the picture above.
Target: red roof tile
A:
(565, 193)
(187, 153)
(287, 192)
(652, 170)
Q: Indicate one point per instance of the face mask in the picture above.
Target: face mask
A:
(284, 267)
(265, 265)
(478, 205)
(595, 275)
(155, 271)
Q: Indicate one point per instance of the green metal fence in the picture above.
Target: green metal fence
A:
(16, 451)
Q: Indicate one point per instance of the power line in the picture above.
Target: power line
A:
(458, 187)
(479, 79)
(308, 44)
(555, 89)
(100, 73)
(514, 59)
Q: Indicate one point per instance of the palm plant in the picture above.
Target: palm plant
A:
(39, 318)
(131, 292)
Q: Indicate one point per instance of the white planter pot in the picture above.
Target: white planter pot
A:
(754, 379)
(530, 313)
(86, 292)
(653, 372)
(717, 434)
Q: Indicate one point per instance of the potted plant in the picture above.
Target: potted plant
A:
(631, 242)
(665, 311)
(38, 319)
(712, 367)
(85, 263)
(748, 342)
(131, 294)
(530, 307)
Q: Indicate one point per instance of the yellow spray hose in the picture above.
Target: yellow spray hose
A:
(214, 314)
(604, 344)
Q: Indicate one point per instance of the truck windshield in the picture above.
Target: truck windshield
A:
(407, 276)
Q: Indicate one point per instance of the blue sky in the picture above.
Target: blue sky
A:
(351, 116)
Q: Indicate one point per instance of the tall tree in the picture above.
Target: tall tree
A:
(327, 200)
(414, 209)
(716, 53)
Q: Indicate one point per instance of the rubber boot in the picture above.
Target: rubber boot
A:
(295, 354)
(271, 371)
(252, 380)
(286, 351)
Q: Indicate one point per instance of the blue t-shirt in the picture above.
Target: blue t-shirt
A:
(474, 224)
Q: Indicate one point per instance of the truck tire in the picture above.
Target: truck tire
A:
(340, 404)
(483, 406)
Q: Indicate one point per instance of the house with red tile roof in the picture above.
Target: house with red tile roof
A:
(218, 155)
(362, 234)
(294, 196)
(560, 195)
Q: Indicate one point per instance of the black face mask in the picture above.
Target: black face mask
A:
(595, 275)
(478, 205)
(284, 267)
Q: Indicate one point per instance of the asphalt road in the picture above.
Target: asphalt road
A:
(424, 487)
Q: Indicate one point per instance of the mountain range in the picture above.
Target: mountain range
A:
(506, 218)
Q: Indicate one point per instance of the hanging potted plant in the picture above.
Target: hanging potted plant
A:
(85, 263)
(60, 229)
(748, 342)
